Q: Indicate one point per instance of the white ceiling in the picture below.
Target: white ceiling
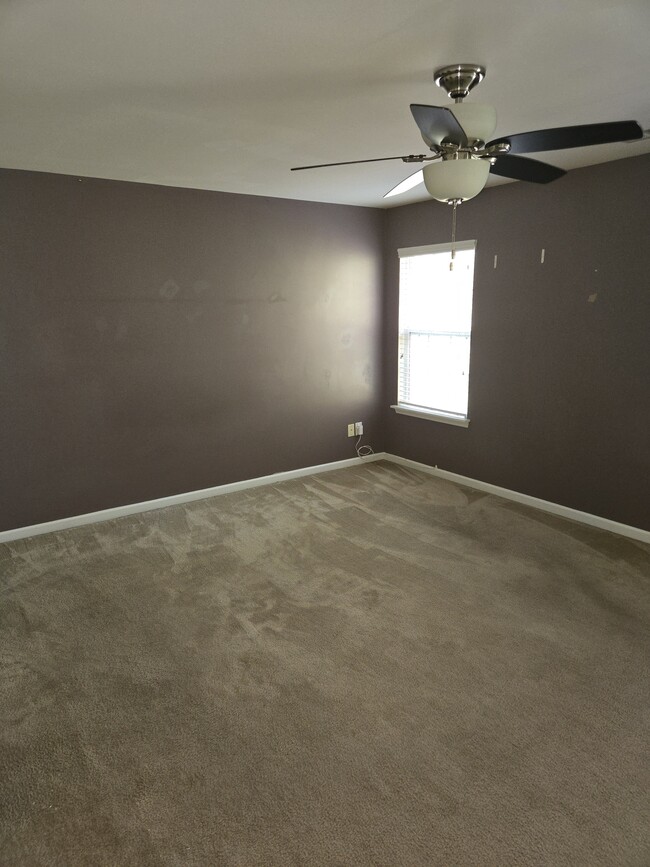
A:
(229, 94)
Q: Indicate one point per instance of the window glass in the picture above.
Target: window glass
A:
(435, 320)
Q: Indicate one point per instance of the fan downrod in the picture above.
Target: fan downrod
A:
(458, 79)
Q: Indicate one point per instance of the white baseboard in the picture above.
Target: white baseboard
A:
(163, 502)
(150, 505)
(544, 505)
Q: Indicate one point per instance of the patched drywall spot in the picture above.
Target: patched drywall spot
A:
(592, 297)
(273, 299)
(169, 289)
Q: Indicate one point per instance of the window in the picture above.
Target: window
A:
(435, 321)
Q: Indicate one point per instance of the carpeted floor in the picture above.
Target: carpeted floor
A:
(367, 667)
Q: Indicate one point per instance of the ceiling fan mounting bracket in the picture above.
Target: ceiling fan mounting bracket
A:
(498, 149)
(416, 158)
(458, 79)
(476, 150)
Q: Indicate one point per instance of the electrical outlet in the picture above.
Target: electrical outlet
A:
(358, 428)
(351, 430)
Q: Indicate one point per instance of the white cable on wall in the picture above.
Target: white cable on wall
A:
(363, 451)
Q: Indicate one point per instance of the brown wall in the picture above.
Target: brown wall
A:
(157, 340)
(559, 383)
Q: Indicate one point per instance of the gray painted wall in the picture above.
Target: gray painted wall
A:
(157, 340)
(559, 381)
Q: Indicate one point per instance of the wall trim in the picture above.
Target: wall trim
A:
(176, 499)
(543, 505)
(150, 505)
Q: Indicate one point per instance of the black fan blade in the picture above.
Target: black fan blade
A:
(525, 169)
(438, 124)
(409, 158)
(571, 137)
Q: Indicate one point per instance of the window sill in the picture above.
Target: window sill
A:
(431, 415)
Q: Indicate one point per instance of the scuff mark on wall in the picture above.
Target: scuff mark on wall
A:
(275, 298)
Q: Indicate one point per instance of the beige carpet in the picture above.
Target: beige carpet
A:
(367, 667)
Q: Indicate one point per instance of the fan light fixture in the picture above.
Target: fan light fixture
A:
(462, 152)
(456, 179)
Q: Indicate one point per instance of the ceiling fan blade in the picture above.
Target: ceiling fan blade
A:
(409, 158)
(407, 184)
(525, 169)
(563, 137)
(438, 124)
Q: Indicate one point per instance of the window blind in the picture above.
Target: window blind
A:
(435, 316)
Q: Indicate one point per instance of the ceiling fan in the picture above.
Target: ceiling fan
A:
(462, 154)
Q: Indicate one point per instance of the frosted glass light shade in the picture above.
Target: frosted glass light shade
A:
(456, 179)
(479, 121)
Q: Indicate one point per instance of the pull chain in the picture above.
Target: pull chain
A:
(454, 203)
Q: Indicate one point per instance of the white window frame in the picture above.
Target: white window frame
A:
(403, 408)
